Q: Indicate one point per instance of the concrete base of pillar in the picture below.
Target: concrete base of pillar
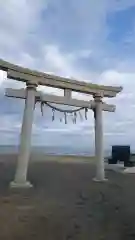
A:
(100, 180)
(21, 185)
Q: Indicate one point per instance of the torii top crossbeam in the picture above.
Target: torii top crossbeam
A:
(26, 75)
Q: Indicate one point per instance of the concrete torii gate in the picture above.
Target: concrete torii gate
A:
(35, 78)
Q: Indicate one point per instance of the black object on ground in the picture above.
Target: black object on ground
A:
(122, 154)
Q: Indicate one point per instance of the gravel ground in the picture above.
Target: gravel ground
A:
(65, 203)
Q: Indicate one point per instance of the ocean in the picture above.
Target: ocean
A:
(55, 150)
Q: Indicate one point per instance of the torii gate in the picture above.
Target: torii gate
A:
(31, 95)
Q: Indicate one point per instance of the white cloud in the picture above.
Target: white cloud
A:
(63, 64)
(18, 21)
(21, 23)
(115, 77)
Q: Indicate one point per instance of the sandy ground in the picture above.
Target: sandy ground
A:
(65, 203)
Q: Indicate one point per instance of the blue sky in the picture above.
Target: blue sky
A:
(89, 40)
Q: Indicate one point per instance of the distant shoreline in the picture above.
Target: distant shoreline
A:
(51, 154)
(52, 150)
(41, 157)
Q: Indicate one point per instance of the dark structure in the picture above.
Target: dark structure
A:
(121, 153)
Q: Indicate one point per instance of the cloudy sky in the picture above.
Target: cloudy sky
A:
(91, 40)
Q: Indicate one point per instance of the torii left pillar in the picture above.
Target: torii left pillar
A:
(99, 146)
(20, 180)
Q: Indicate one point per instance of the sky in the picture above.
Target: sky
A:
(93, 41)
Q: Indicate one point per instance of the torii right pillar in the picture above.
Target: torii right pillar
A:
(99, 141)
